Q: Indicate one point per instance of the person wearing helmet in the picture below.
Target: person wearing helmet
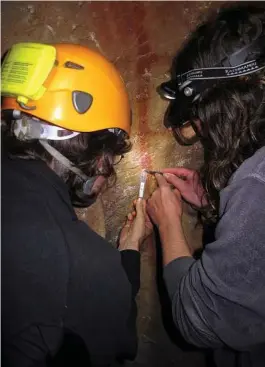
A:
(67, 295)
(218, 87)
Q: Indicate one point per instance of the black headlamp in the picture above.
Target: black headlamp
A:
(183, 91)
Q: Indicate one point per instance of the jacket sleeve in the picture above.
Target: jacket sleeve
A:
(130, 260)
(131, 263)
(219, 299)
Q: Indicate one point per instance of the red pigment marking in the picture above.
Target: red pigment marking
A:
(145, 60)
(101, 24)
(121, 14)
(130, 27)
(129, 19)
(122, 18)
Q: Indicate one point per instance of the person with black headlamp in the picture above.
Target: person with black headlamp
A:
(218, 86)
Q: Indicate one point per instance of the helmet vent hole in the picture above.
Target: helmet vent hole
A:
(72, 65)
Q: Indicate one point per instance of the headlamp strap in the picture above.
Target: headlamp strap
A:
(230, 67)
(222, 72)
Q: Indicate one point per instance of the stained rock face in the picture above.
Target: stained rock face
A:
(140, 38)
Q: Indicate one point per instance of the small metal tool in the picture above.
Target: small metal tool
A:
(153, 172)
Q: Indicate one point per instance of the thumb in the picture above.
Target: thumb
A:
(125, 229)
(177, 193)
(177, 182)
(140, 207)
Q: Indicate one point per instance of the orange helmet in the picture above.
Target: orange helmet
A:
(67, 85)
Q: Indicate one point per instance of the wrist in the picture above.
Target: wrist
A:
(174, 244)
(130, 245)
(167, 223)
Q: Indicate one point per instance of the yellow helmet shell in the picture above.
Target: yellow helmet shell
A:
(82, 92)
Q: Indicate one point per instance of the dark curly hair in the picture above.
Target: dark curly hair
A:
(84, 151)
(231, 112)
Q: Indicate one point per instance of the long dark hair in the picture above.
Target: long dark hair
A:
(84, 151)
(232, 112)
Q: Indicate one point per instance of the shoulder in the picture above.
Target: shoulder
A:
(87, 247)
(246, 184)
(252, 167)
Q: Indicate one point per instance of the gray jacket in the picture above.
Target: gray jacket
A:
(219, 300)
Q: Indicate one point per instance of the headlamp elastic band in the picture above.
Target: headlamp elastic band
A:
(222, 72)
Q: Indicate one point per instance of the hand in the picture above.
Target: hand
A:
(188, 183)
(165, 205)
(136, 229)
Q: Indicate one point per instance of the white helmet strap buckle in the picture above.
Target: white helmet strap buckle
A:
(34, 129)
(29, 129)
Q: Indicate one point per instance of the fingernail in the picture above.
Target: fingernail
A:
(168, 175)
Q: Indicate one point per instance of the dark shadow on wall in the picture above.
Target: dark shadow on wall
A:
(167, 318)
(166, 310)
(3, 56)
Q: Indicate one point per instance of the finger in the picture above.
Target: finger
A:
(149, 210)
(149, 203)
(177, 182)
(125, 229)
(177, 193)
(134, 213)
(140, 207)
(130, 217)
(126, 225)
(162, 182)
(148, 220)
(152, 196)
(179, 171)
(141, 211)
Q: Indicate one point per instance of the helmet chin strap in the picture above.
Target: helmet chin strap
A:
(26, 128)
(88, 181)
